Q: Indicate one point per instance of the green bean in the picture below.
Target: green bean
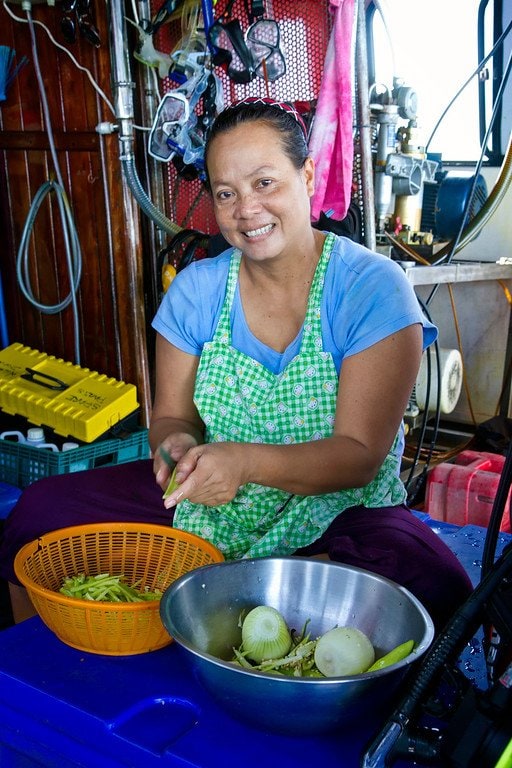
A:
(105, 588)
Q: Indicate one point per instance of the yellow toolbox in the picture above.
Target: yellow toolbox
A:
(70, 399)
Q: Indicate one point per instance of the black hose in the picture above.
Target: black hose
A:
(498, 508)
(447, 648)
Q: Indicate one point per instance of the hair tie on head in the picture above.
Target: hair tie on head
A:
(285, 106)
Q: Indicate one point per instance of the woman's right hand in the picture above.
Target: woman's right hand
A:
(212, 473)
(168, 453)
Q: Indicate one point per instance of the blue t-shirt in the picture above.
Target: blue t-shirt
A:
(366, 298)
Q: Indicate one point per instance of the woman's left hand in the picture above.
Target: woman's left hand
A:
(209, 474)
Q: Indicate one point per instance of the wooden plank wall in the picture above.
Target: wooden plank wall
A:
(110, 299)
(120, 286)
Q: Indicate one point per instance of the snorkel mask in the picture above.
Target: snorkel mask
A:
(258, 53)
(178, 128)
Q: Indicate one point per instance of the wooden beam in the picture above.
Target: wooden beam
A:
(74, 141)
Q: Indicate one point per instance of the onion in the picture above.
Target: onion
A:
(343, 651)
(265, 634)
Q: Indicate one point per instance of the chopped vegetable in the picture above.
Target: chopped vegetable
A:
(265, 634)
(269, 646)
(105, 588)
(394, 656)
(298, 662)
(343, 651)
(172, 485)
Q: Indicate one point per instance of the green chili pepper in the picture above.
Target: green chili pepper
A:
(172, 485)
(394, 656)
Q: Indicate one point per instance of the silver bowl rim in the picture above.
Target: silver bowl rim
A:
(415, 654)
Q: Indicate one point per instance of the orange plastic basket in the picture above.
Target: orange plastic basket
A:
(152, 555)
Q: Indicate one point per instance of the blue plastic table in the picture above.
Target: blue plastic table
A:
(62, 708)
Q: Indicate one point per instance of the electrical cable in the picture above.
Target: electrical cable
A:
(463, 237)
(494, 114)
(490, 206)
(472, 75)
(435, 431)
(461, 352)
(419, 442)
(400, 736)
(454, 244)
(79, 66)
(71, 241)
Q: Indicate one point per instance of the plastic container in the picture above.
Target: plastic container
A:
(14, 436)
(76, 466)
(463, 492)
(34, 440)
(61, 708)
(145, 711)
(72, 400)
(151, 556)
(37, 439)
(21, 465)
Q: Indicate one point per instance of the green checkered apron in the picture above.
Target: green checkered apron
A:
(239, 400)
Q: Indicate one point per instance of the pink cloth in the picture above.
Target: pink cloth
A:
(331, 142)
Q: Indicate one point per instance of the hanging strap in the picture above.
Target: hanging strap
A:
(183, 247)
(256, 10)
(166, 10)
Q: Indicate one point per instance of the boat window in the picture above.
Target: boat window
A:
(435, 52)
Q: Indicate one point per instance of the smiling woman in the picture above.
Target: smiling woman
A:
(284, 367)
(281, 386)
(258, 206)
(255, 198)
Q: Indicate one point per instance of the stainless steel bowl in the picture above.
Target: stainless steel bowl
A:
(201, 610)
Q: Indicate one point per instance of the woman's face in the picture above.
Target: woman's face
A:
(261, 201)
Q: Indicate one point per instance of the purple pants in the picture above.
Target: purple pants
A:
(389, 541)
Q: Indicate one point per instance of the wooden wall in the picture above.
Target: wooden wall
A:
(120, 286)
(110, 300)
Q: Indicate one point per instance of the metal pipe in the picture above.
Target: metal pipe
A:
(363, 118)
(123, 87)
(122, 83)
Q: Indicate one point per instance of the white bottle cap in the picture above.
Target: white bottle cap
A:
(69, 446)
(35, 433)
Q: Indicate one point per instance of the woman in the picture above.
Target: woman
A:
(281, 398)
(284, 367)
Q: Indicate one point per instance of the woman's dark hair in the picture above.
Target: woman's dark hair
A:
(293, 137)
